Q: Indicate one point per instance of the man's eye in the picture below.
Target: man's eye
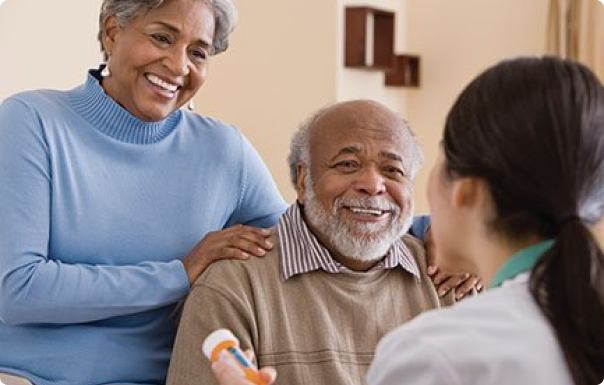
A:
(163, 39)
(394, 171)
(347, 165)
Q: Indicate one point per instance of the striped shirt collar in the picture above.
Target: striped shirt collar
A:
(301, 252)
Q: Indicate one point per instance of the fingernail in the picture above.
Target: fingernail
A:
(431, 269)
(261, 251)
(265, 232)
(268, 244)
(245, 255)
(441, 293)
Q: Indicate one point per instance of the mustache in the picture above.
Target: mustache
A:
(377, 203)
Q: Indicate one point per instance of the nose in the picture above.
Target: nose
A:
(177, 61)
(370, 181)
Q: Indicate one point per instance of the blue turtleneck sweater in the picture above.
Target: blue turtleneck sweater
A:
(97, 209)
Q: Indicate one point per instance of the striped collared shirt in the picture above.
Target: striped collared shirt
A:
(301, 252)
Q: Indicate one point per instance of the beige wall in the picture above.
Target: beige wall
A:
(280, 69)
(456, 40)
(358, 83)
(46, 44)
(277, 71)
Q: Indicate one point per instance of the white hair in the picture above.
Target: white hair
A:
(225, 18)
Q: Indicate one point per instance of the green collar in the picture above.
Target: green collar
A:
(520, 262)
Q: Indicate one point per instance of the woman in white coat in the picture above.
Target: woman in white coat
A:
(516, 189)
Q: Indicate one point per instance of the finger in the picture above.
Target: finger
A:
(448, 284)
(465, 288)
(250, 229)
(249, 353)
(440, 277)
(246, 246)
(430, 251)
(251, 238)
(232, 253)
(479, 285)
(430, 258)
(268, 375)
(226, 375)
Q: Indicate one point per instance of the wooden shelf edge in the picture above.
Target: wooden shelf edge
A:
(405, 71)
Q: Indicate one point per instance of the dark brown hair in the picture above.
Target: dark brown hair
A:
(533, 129)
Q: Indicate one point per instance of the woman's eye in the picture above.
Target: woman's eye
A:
(199, 54)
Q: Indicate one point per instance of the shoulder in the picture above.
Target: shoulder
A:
(26, 115)
(207, 126)
(223, 137)
(416, 248)
(419, 226)
(479, 317)
(37, 99)
(477, 336)
(229, 275)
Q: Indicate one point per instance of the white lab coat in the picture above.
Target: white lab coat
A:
(499, 337)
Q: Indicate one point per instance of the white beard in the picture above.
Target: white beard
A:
(365, 242)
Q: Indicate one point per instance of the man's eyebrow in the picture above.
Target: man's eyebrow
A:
(392, 155)
(347, 150)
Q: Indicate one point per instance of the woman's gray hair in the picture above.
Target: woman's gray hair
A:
(299, 149)
(225, 18)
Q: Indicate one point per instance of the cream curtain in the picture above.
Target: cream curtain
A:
(576, 31)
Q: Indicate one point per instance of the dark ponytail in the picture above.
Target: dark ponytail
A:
(567, 285)
(533, 129)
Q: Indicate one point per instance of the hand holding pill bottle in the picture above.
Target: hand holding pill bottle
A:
(222, 345)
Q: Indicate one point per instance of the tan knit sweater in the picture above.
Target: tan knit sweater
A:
(315, 328)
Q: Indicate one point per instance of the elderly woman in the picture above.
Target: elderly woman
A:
(114, 199)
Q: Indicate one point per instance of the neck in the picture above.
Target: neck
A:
(351, 263)
(492, 254)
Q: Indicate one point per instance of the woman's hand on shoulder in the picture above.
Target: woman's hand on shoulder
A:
(463, 284)
(237, 242)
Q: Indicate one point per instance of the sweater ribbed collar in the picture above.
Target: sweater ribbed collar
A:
(107, 116)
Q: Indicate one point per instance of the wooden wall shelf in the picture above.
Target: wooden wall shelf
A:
(369, 44)
(369, 38)
(404, 72)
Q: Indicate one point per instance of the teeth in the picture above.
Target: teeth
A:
(158, 82)
(358, 210)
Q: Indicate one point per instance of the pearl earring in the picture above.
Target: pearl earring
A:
(191, 106)
(105, 73)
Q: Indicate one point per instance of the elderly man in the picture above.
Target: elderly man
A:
(341, 274)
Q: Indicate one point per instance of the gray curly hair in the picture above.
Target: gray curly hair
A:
(299, 149)
(225, 17)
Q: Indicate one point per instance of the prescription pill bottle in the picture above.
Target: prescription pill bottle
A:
(222, 345)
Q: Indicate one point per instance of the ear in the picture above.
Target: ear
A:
(111, 29)
(469, 192)
(300, 187)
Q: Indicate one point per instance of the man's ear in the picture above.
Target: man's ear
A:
(468, 192)
(300, 186)
(111, 29)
